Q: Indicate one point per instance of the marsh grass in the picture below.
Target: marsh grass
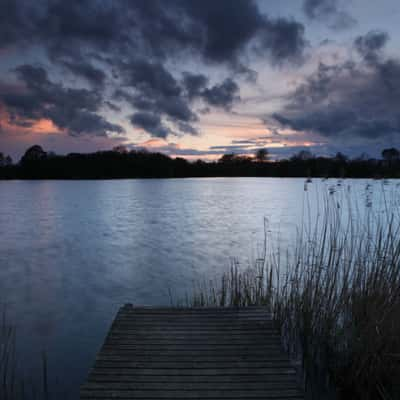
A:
(7, 359)
(14, 386)
(334, 295)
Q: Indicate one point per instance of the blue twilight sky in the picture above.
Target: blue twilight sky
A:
(200, 79)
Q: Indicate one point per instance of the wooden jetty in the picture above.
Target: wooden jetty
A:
(192, 353)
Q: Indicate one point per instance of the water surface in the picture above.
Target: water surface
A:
(72, 252)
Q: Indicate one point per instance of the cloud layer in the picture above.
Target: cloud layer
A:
(350, 101)
(198, 72)
(74, 110)
(329, 11)
(121, 52)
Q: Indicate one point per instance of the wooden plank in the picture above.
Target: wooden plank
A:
(227, 349)
(196, 337)
(147, 380)
(167, 385)
(194, 371)
(189, 394)
(192, 353)
(199, 358)
(193, 315)
(119, 340)
(193, 332)
(217, 324)
(180, 310)
(196, 364)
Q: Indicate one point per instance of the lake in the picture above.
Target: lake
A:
(72, 252)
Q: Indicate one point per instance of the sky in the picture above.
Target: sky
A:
(198, 79)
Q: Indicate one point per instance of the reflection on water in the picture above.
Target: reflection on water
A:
(71, 252)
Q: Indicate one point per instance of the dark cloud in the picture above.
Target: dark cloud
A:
(219, 31)
(176, 108)
(185, 128)
(244, 141)
(150, 123)
(343, 20)
(17, 21)
(149, 77)
(370, 45)
(194, 84)
(64, 27)
(226, 29)
(87, 71)
(320, 8)
(348, 101)
(329, 11)
(122, 95)
(74, 110)
(273, 138)
(283, 39)
(232, 148)
(173, 149)
(153, 90)
(134, 41)
(222, 95)
(80, 122)
(112, 106)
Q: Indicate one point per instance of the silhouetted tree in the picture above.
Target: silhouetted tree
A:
(120, 149)
(362, 157)
(34, 153)
(8, 161)
(391, 155)
(5, 161)
(228, 158)
(137, 163)
(341, 157)
(262, 155)
(302, 155)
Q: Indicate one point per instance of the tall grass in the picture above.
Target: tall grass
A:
(334, 294)
(13, 385)
(7, 359)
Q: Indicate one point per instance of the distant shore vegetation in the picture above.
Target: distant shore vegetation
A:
(121, 163)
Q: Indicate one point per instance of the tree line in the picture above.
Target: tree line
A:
(123, 163)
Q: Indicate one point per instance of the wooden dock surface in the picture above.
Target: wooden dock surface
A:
(192, 353)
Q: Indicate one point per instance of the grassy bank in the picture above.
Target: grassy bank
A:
(334, 294)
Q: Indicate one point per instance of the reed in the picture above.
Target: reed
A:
(7, 359)
(334, 295)
(14, 386)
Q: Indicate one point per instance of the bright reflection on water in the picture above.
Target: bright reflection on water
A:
(72, 252)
